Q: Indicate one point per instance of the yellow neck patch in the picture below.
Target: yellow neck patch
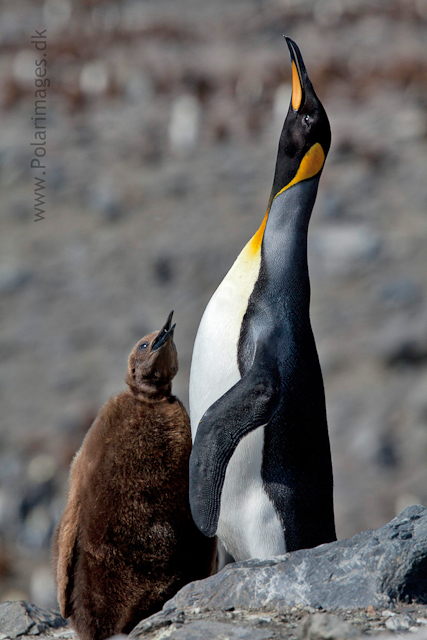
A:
(255, 242)
(310, 165)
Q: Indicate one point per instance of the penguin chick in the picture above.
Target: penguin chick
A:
(126, 542)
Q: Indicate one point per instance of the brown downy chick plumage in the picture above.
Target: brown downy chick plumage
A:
(126, 542)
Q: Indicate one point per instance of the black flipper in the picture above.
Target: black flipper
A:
(246, 406)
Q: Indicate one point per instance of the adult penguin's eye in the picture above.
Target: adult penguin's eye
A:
(307, 119)
(143, 345)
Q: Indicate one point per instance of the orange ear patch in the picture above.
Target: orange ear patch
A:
(311, 164)
(296, 88)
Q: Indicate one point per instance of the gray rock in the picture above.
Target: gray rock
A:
(399, 623)
(20, 211)
(214, 630)
(218, 625)
(400, 293)
(107, 203)
(324, 626)
(329, 206)
(410, 353)
(26, 619)
(13, 278)
(372, 568)
(420, 635)
(345, 248)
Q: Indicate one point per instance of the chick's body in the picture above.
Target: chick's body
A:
(126, 542)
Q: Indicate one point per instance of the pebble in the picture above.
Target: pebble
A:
(94, 78)
(346, 246)
(184, 124)
(421, 7)
(106, 16)
(407, 353)
(42, 589)
(327, 13)
(107, 203)
(41, 468)
(138, 88)
(56, 14)
(23, 67)
(37, 529)
(178, 185)
(329, 206)
(9, 512)
(13, 278)
(408, 124)
(324, 626)
(249, 88)
(56, 180)
(14, 166)
(399, 622)
(401, 293)
(281, 100)
(20, 211)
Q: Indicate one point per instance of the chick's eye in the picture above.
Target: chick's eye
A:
(143, 345)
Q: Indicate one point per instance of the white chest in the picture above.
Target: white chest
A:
(248, 525)
(214, 366)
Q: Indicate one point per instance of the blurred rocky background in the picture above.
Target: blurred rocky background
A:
(163, 122)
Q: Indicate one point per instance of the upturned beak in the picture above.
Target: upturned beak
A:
(300, 80)
(164, 334)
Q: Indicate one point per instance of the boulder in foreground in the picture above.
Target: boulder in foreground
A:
(25, 619)
(374, 568)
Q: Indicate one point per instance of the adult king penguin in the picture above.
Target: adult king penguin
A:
(260, 468)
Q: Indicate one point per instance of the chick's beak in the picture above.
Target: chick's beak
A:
(164, 334)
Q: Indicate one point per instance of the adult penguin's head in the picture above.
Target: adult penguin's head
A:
(306, 135)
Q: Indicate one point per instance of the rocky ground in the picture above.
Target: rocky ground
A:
(163, 120)
(371, 584)
(296, 623)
